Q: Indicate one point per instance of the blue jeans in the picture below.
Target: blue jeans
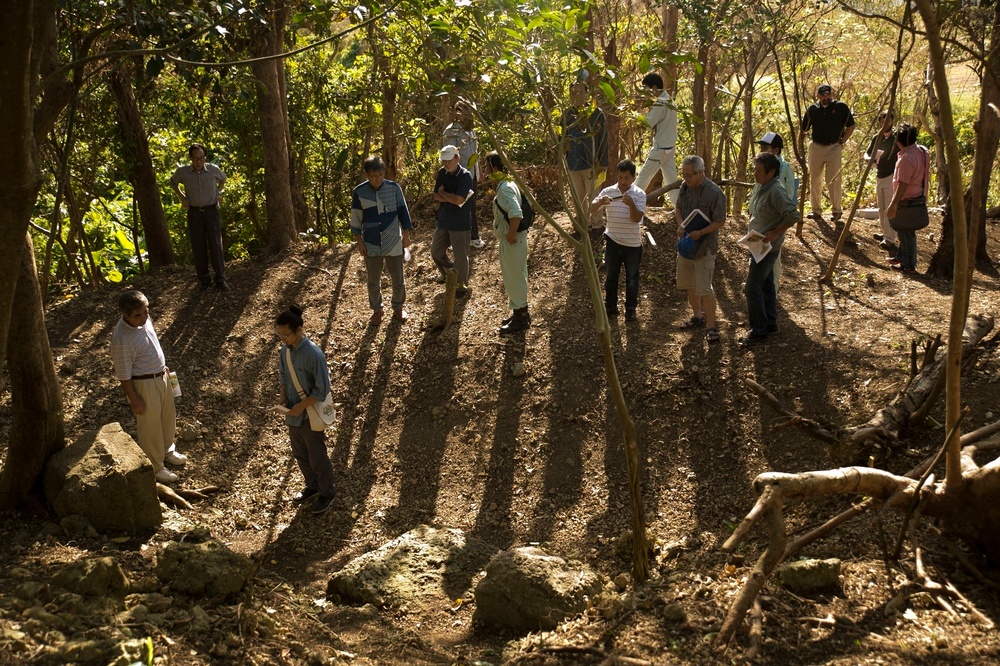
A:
(762, 301)
(614, 256)
(907, 248)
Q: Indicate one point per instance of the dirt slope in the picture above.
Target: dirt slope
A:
(437, 429)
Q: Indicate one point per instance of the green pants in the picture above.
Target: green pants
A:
(513, 265)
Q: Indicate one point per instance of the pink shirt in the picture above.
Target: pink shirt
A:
(913, 167)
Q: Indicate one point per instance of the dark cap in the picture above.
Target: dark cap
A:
(772, 139)
(824, 89)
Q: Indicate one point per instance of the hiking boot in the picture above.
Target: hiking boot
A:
(303, 495)
(520, 321)
(478, 243)
(322, 503)
(400, 315)
(836, 216)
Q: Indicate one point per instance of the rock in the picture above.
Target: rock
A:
(105, 478)
(77, 526)
(102, 577)
(807, 576)
(207, 569)
(674, 613)
(42, 616)
(518, 369)
(134, 651)
(188, 433)
(201, 623)
(426, 561)
(528, 589)
(80, 650)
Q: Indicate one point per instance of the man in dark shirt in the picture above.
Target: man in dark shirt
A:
(882, 152)
(831, 124)
(585, 137)
(202, 182)
(453, 190)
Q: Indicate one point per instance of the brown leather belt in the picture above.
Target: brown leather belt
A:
(153, 376)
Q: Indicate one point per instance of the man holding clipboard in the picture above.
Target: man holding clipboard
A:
(701, 212)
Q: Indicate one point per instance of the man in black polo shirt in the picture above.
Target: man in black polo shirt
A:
(453, 191)
(202, 182)
(832, 124)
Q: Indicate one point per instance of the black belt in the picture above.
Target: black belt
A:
(202, 208)
(659, 148)
(153, 376)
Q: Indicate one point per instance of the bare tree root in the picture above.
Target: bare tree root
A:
(857, 444)
(179, 498)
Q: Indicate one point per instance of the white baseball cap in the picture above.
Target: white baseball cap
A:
(449, 153)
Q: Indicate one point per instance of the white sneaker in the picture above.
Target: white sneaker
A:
(176, 459)
(165, 476)
(478, 243)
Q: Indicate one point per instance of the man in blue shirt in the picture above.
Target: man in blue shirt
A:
(381, 225)
(453, 191)
(585, 138)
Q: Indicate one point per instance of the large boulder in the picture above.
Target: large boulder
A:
(808, 576)
(207, 569)
(105, 477)
(527, 589)
(424, 562)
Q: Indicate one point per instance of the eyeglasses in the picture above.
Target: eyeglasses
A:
(688, 174)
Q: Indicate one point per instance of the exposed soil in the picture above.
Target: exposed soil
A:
(438, 430)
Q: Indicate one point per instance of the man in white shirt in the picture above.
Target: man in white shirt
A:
(141, 368)
(625, 204)
(662, 119)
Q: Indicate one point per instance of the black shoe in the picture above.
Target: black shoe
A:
(630, 315)
(612, 313)
(772, 330)
(461, 293)
(815, 216)
(836, 217)
(879, 237)
(322, 503)
(205, 286)
(752, 340)
(222, 285)
(303, 495)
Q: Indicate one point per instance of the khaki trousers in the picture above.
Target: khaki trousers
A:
(883, 195)
(824, 158)
(582, 183)
(157, 423)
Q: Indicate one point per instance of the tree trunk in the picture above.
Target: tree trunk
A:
(139, 168)
(274, 140)
(699, 102)
(670, 15)
(36, 430)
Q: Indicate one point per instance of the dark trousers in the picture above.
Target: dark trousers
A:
(614, 256)
(762, 300)
(205, 233)
(309, 451)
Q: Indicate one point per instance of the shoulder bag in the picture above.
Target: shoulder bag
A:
(321, 414)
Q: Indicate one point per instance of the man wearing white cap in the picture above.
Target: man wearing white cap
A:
(453, 190)
(831, 124)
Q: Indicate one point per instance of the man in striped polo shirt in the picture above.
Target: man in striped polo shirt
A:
(625, 205)
(142, 370)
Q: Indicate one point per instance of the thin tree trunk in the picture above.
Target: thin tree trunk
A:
(36, 430)
(139, 169)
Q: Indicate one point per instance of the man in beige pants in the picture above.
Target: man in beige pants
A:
(141, 368)
(831, 124)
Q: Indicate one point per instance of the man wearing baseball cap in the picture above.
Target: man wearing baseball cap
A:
(773, 143)
(453, 190)
(831, 124)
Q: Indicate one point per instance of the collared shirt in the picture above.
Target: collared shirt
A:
(785, 177)
(508, 200)
(711, 200)
(886, 164)
(467, 143)
(620, 227)
(200, 187)
(450, 216)
(310, 368)
(586, 139)
(136, 350)
(913, 167)
(827, 122)
(662, 117)
(772, 207)
(380, 216)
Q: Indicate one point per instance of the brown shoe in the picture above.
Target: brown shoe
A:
(400, 315)
(376, 318)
